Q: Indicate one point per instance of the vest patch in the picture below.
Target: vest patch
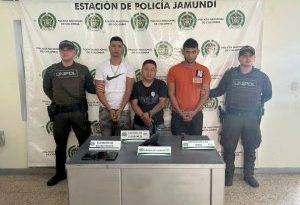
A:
(244, 83)
(66, 73)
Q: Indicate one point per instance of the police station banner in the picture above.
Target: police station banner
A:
(150, 30)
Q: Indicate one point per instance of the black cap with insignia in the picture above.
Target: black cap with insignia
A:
(246, 49)
(66, 44)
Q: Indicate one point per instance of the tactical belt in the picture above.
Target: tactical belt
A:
(69, 108)
(239, 112)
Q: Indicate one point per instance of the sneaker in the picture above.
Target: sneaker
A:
(55, 179)
(251, 181)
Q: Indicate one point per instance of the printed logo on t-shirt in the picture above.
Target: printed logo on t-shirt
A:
(112, 77)
(66, 73)
(244, 83)
(149, 100)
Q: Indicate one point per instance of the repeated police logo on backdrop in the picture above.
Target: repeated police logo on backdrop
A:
(235, 19)
(77, 49)
(72, 150)
(168, 104)
(163, 49)
(139, 22)
(94, 22)
(96, 127)
(124, 50)
(212, 104)
(47, 21)
(49, 128)
(210, 48)
(138, 74)
(93, 73)
(187, 21)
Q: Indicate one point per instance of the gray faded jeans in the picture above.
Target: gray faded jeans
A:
(110, 128)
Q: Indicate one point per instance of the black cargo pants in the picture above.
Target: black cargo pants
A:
(246, 126)
(62, 124)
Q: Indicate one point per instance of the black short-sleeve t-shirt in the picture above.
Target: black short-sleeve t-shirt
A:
(148, 97)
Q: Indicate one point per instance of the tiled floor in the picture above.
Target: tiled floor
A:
(275, 189)
(31, 189)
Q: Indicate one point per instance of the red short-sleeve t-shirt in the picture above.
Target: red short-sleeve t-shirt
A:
(188, 84)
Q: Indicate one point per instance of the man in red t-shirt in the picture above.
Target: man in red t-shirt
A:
(188, 85)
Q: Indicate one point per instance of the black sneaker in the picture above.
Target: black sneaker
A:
(55, 179)
(251, 181)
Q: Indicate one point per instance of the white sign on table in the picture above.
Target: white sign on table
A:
(154, 151)
(134, 135)
(104, 145)
(198, 144)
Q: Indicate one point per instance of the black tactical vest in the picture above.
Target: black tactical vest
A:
(244, 90)
(68, 83)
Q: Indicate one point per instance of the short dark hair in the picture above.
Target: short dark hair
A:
(150, 61)
(190, 43)
(116, 38)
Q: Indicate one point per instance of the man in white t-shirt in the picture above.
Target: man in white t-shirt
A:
(114, 81)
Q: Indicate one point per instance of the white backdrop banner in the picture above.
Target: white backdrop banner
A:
(150, 30)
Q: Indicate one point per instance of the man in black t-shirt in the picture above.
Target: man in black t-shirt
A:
(148, 99)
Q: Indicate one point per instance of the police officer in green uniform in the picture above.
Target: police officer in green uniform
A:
(247, 89)
(65, 84)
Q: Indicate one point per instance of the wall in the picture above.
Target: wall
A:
(14, 153)
(281, 47)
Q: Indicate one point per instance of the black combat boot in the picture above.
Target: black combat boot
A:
(251, 181)
(56, 178)
(228, 178)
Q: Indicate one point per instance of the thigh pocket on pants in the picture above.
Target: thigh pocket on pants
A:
(258, 139)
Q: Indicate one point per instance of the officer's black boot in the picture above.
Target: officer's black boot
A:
(228, 178)
(60, 168)
(229, 172)
(249, 159)
(251, 181)
(56, 178)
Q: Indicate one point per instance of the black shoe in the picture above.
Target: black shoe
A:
(251, 181)
(55, 179)
(228, 179)
(228, 182)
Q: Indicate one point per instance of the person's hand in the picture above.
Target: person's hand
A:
(112, 114)
(184, 115)
(118, 115)
(190, 115)
(147, 119)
